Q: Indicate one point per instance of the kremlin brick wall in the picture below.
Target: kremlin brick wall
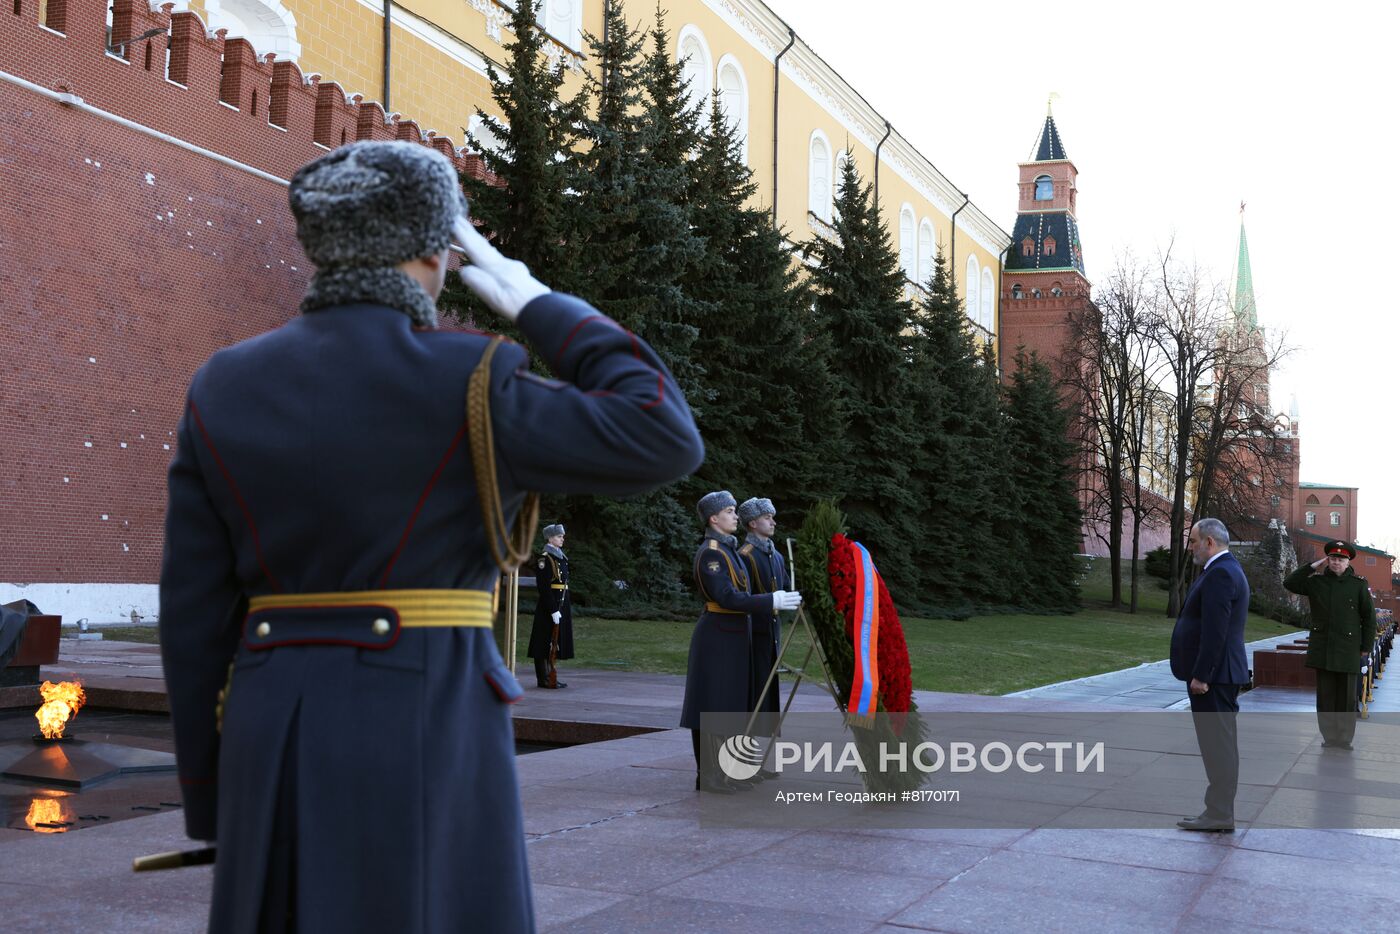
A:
(126, 260)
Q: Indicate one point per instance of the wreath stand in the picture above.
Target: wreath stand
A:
(786, 650)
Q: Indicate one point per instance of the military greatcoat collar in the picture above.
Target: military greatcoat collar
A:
(723, 539)
(556, 551)
(763, 544)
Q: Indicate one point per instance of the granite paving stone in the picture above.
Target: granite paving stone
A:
(763, 882)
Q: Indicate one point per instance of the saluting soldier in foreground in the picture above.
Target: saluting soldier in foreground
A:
(767, 573)
(553, 608)
(1342, 633)
(326, 536)
(719, 672)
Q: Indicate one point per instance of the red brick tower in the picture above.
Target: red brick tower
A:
(1044, 278)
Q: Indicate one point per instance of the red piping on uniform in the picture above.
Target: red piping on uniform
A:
(237, 496)
(578, 327)
(432, 481)
(660, 393)
(636, 352)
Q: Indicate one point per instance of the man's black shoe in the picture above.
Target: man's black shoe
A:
(1206, 824)
(1326, 744)
(557, 684)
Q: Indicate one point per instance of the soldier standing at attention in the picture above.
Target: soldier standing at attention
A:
(1342, 633)
(552, 609)
(719, 673)
(338, 702)
(767, 573)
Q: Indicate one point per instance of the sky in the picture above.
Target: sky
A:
(1174, 114)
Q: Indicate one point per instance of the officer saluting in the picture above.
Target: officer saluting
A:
(719, 673)
(767, 573)
(1343, 630)
(327, 535)
(552, 609)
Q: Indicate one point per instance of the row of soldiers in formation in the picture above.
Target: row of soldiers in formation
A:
(734, 647)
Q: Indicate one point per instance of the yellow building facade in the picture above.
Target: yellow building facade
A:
(799, 118)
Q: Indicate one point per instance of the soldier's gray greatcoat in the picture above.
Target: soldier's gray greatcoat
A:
(331, 455)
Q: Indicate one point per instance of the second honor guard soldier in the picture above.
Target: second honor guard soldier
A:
(719, 672)
(329, 556)
(1342, 632)
(767, 573)
(552, 633)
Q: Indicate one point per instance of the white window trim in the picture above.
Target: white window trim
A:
(909, 251)
(574, 40)
(989, 289)
(826, 208)
(729, 61)
(972, 296)
(270, 14)
(700, 92)
(926, 262)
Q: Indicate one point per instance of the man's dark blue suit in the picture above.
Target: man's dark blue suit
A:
(1208, 646)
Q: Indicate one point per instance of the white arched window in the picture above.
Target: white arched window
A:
(1312, 518)
(734, 99)
(988, 297)
(1336, 518)
(563, 19)
(1044, 188)
(694, 54)
(908, 251)
(974, 281)
(266, 24)
(819, 176)
(926, 254)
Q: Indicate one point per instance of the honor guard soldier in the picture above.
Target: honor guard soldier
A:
(719, 674)
(1342, 632)
(767, 573)
(552, 633)
(334, 526)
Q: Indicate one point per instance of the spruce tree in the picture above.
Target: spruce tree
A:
(1041, 467)
(860, 304)
(766, 387)
(522, 204)
(630, 180)
(965, 486)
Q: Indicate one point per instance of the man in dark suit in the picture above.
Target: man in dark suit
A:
(1208, 654)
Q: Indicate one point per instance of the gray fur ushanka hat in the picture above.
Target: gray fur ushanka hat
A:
(552, 530)
(375, 204)
(751, 509)
(713, 503)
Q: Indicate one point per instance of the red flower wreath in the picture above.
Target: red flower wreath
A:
(896, 680)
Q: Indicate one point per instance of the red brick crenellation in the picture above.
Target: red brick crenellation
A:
(218, 95)
(127, 260)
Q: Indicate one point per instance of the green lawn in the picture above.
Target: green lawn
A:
(980, 655)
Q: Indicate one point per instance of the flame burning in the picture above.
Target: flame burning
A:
(46, 811)
(61, 701)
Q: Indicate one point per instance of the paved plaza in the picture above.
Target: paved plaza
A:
(618, 842)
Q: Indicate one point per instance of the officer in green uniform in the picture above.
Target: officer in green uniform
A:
(1343, 631)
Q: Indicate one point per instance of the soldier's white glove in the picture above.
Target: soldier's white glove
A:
(786, 599)
(556, 615)
(505, 285)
